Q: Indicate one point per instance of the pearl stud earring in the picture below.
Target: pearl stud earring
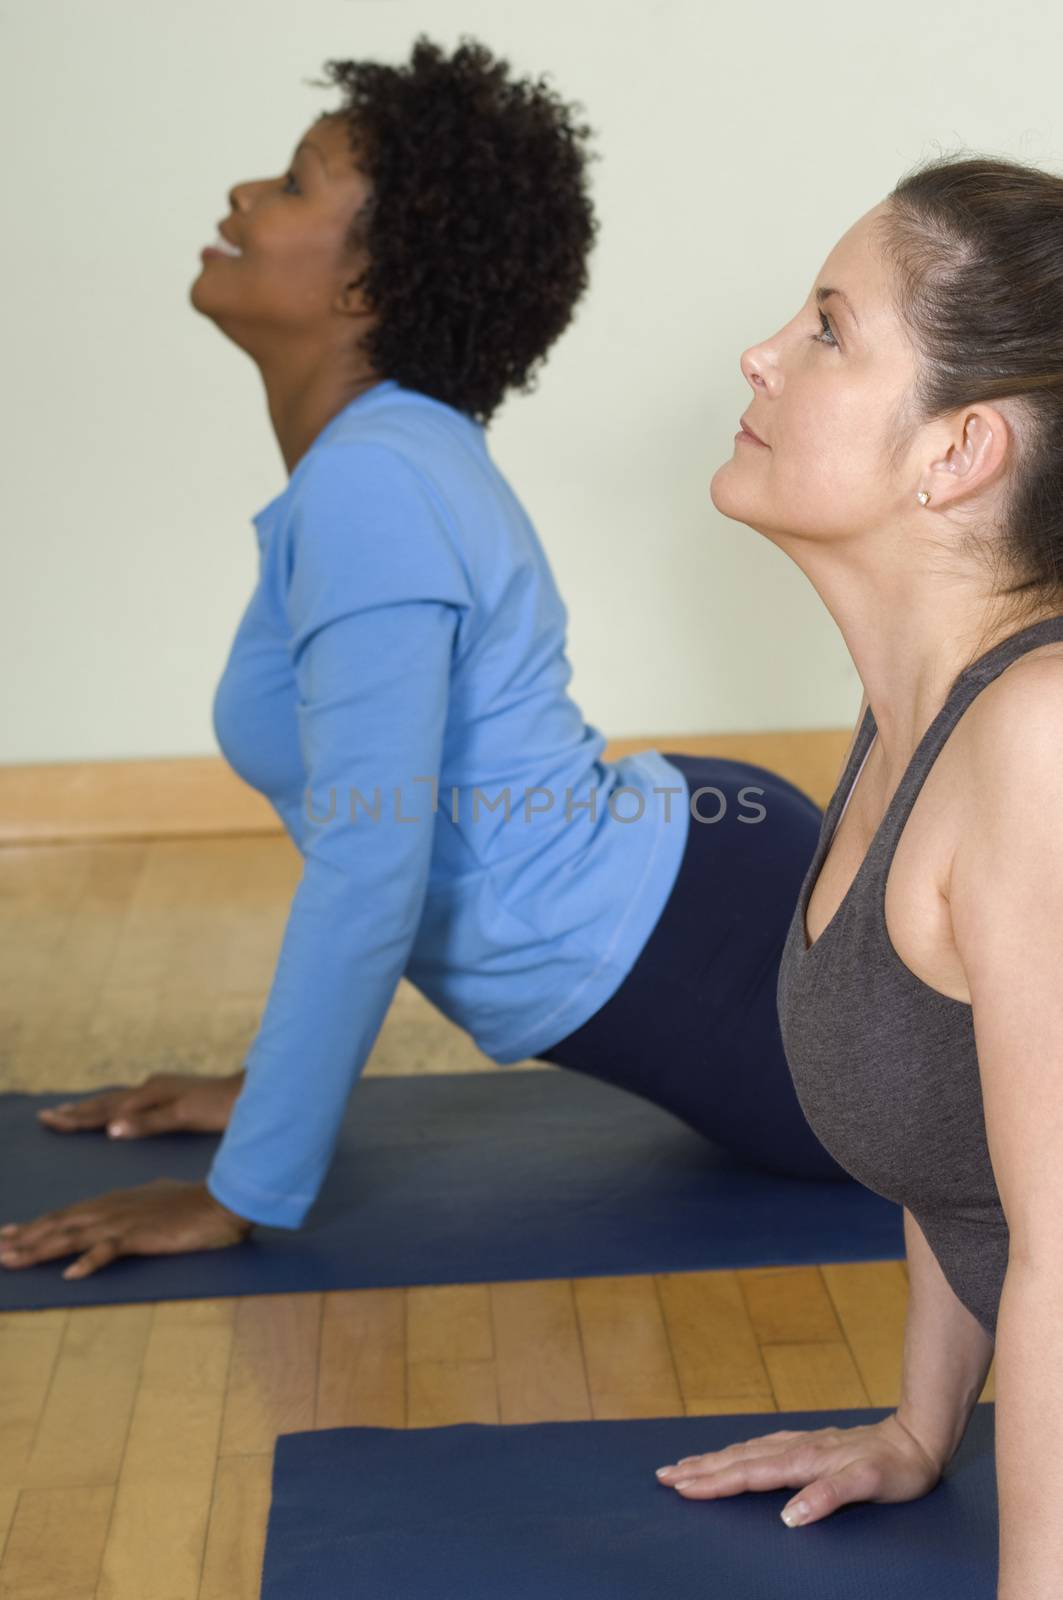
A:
(923, 497)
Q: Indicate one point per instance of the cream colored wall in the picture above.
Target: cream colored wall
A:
(738, 142)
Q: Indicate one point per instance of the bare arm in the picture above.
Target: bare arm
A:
(1006, 905)
(947, 1354)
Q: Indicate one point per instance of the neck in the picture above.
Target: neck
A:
(303, 400)
(910, 628)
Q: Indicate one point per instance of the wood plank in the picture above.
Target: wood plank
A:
(870, 1299)
(102, 800)
(154, 1548)
(451, 1322)
(450, 1366)
(166, 1001)
(41, 890)
(273, 1380)
(85, 1421)
(29, 1348)
(629, 1363)
(56, 1541)
(362, 1371)
(714, 1344)
(814, 1377)
(440, 1393)
(197, 1313)
(539, 1359)
(30, 1321)
(114, 1042)
(55, 1028)
(199, 796)
(789, 1305)
(194, 881)
(236, 1538)
(8, 1502)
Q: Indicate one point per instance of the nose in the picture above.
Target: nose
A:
(759, 369)
(243, 195)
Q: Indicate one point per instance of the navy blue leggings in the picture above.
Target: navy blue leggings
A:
(694, 1026)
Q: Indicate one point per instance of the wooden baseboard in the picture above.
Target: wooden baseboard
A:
(74, 801)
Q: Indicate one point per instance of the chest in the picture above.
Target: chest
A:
(916, 904)
(255, 711)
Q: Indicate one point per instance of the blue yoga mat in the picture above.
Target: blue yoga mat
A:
(571, 1511)
(463, 1178)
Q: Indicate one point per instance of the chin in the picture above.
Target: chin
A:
(199, 298)
(728, 496)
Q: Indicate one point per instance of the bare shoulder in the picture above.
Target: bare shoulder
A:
(1016, 721)
(1005, 874)
(1030, 688)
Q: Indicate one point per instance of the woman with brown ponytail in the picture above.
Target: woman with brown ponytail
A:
(910, 461)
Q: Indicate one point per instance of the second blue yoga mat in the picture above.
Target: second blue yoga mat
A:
(463, 1178)
(571, 1511)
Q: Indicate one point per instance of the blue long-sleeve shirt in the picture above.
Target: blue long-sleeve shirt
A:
(397, 688)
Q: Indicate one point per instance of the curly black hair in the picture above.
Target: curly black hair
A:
(479, 223)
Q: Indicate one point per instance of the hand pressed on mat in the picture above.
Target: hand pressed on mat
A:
(168, 1102)
(156, 1219)
(832, 1467)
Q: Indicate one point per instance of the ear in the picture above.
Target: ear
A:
(351, 299)
(980, 439)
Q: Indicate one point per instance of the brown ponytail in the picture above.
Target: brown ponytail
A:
(977, 250)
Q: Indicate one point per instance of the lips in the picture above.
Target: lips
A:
(744, 425)
(223, 242)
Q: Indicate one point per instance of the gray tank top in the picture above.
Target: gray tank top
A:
(885, 1067)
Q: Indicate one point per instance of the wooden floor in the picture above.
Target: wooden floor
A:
(136, 1441)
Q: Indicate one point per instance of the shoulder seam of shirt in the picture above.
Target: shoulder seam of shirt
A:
(335, 446)
(430, 489)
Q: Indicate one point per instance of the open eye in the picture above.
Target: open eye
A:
(825, 324)
(289, 177)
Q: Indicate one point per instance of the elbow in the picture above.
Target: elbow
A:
(1034, 1277)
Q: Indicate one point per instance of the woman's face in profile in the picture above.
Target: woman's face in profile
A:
(826, 392)
(290, 231)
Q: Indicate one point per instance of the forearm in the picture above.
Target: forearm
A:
(373, 684)
(1029, 1430)
(353, 917)
(947, 1354)
(336, 974)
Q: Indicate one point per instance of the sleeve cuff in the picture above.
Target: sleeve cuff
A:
(268, 1210)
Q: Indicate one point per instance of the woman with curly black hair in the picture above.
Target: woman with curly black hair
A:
(397, 687)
